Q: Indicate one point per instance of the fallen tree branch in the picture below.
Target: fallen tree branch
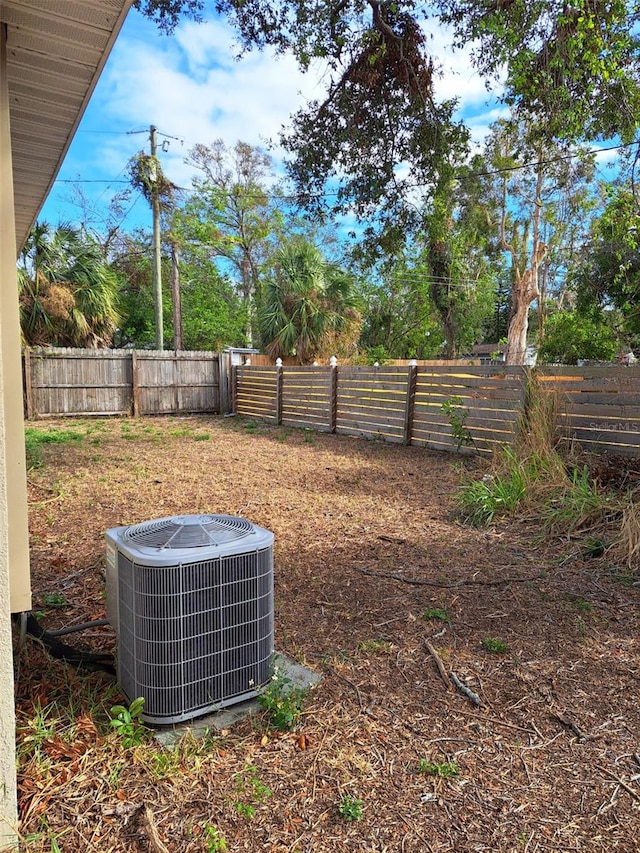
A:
(434, 654)
(418, 582)
(620, 782)
(572, 727)
(154, 839)
(462, 687)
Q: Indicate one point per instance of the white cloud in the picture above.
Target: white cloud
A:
(192, 87)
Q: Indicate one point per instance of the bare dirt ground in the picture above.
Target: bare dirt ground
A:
(368, 542)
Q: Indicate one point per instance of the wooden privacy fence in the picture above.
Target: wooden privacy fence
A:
(598, 407)
(399, 404)
(464, 408)
(120, 382)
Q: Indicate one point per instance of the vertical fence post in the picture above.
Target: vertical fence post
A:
(234, 388)
(135, 386)
(410, 401)
(223, 382)
(28, 388)
(279, 383)
(333, 399)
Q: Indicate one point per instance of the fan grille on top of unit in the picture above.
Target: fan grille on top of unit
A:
(188, 531)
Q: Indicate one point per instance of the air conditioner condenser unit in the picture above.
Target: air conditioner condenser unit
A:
(191, 600)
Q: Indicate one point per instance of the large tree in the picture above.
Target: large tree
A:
(233, 214)
(541, 192)
(212, 315)
(608, 275)
(310, 306)
(380, 137)
(68, 292)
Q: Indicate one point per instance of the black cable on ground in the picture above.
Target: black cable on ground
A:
(95, 661)
(73, 629)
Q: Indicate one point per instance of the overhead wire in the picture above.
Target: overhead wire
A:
(409, 186)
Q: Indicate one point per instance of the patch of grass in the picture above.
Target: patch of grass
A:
(624, 577)
(439, 613)
(250, 426)
(34, 440)
(46, 838)
(593, 548)
(375, 646)
(350, 808)
(164, 763)
(443, 770)
(578, 503)
(202, 436)
(580, 604)
(495, 645)
(496, 494)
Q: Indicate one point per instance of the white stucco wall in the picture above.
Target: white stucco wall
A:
(13, 497)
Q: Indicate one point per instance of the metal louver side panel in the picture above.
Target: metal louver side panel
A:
(197, 636)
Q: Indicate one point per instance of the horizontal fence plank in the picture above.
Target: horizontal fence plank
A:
(393, 438)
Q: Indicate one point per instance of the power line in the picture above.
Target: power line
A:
(335, 193)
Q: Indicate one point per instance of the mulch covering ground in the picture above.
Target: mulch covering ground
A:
(367, 540)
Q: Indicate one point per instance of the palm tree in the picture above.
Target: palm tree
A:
(68, 292)
(309, 305)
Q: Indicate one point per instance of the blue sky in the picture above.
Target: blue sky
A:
(193, 89)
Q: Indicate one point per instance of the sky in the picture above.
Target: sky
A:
(193, 89)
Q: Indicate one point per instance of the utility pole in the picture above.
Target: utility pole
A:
(157, 272)
(177, 307)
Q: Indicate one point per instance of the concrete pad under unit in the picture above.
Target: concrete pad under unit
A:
(299, 676)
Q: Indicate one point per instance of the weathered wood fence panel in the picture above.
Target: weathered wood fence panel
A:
(598, 407)
(169, 382)
(60, 381)
(78, 382)
(485, 400)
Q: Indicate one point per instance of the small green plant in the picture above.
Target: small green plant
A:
(214, 840)
(164, 763)
(250, 426)
(253, 790)
(282, 702)
(245, 810)
(457, 416)
(202, 436)
(53, 599)
(436, 613)
(350, 808)
(495, 645)
(445, 770)
(127, 723)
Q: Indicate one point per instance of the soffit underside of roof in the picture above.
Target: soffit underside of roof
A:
(55, 52)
